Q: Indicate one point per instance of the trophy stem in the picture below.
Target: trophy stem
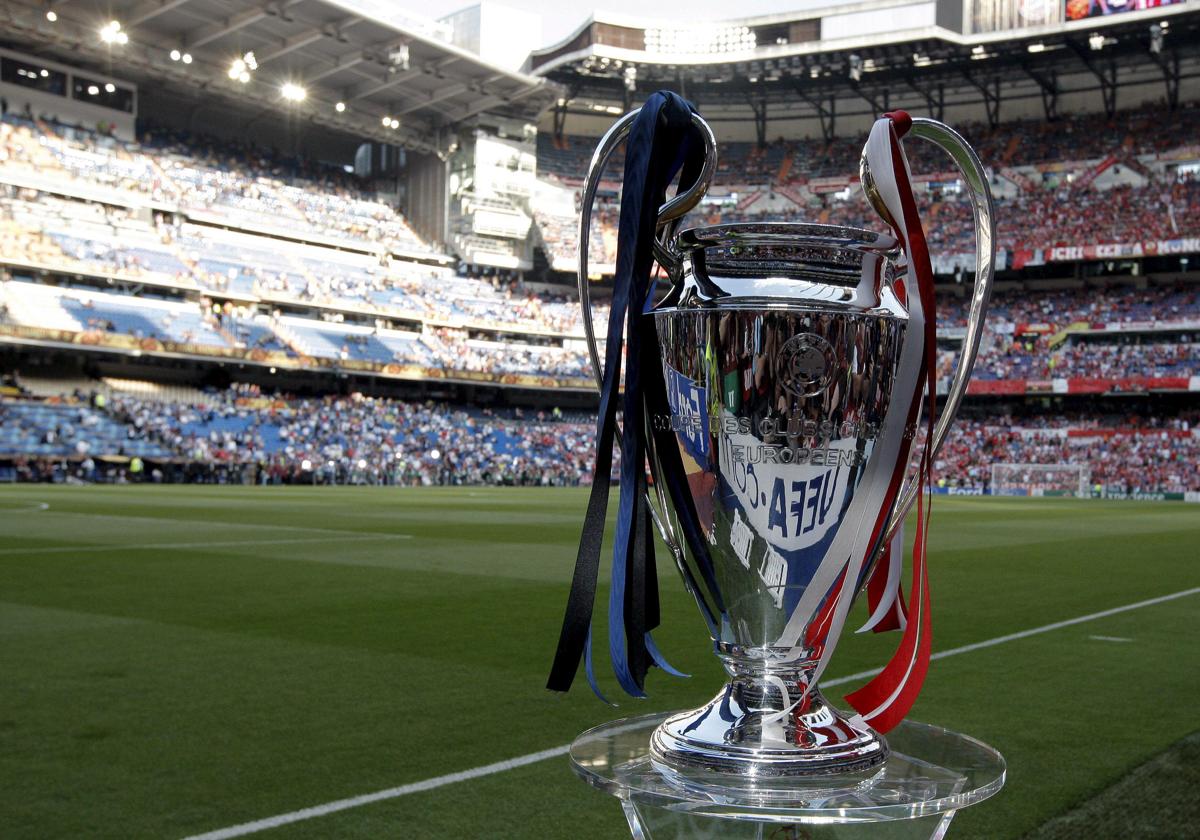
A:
(762, 729)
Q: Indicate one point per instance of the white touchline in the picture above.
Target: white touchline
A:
(87, 549)
(554, 752)
(1110, 638)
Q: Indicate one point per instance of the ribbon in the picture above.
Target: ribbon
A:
(885, 596)
(662, 141)
(885, 700)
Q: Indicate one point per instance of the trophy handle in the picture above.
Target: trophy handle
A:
(984, 210)
(669, 216)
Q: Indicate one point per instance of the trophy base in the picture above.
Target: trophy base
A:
(747, 736)
(930, 774)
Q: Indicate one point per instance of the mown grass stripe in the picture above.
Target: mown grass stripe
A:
(554, 752)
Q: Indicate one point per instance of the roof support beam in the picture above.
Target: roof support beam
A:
(431, 69)
(148, 10)
(760, 121)
(1105, 73)
(827, 114)
(879, 106)
(991, 96)
(303, 39)
(935, 99)
(343, 62)
(1048, 84)
(494, 100)
(447, 93)
(219, 29)
(1169, 65)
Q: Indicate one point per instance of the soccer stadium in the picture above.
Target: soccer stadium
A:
(299, 417)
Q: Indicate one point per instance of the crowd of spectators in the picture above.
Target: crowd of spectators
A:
(1124, 453)
(365, 440)
(250, 185)
(243, 435)
(1028, 142)
(1055, 204)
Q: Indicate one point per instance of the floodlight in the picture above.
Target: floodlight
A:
(51, 15)
(293, 92)
(176, 55)
(109, 87)
(339, 107)
(1096, 41)
(93, 90)
(111, 33)
(187, 58)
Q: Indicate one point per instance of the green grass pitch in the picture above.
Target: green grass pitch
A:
(175, 660)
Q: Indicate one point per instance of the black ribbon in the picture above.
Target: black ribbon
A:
(661, 141)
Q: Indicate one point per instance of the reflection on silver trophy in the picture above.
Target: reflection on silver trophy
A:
(795, 364)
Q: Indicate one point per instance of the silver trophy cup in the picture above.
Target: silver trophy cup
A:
(780, 354)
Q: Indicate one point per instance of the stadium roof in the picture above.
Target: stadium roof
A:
(367, 54)
(864, 57)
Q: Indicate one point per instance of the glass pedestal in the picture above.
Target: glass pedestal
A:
(930, 774)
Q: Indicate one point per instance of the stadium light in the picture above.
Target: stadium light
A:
(1156, 38)
(292, 92)
(386, 120)
(51, 15)
(93, 90)
(176, 55)
(109, 87)
(1096, 41)
(339, 107)
(187, 58)
(395, 123)
(240, 68)
(111, 33)
(1036, 48)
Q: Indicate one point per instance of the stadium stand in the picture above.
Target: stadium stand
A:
(1084, 182)
(242, 435)
(161, 246)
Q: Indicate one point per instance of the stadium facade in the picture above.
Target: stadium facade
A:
(332, 197)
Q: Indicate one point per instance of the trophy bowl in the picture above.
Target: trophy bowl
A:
(779, 358)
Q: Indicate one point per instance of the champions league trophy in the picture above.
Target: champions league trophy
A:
(776, 388)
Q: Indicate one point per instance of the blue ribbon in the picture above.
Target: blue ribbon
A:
(661, 143)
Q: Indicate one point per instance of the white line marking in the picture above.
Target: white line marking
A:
(87, 549)
(378, 796)
(554, 752)
(21, 507)
(1110, 638)
(1024, 634)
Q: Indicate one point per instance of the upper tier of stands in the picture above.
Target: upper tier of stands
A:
(1014, 143)
(209, 289)
(242, 187)
(1078, 182)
